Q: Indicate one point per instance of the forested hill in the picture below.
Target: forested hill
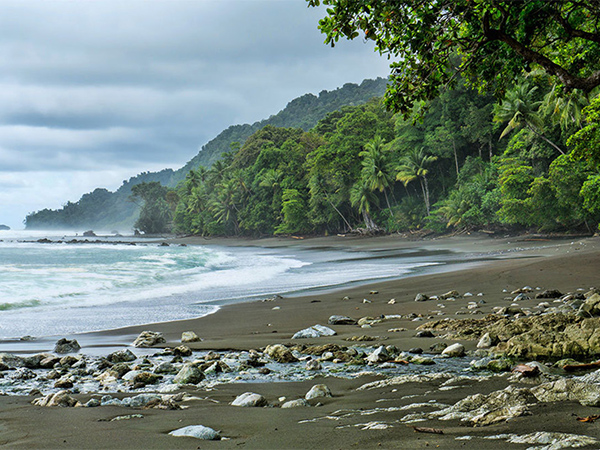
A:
(103, 209)
(303, 112)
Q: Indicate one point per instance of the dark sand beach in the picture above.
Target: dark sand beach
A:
(349, 418)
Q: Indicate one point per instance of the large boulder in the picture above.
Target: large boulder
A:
(454, 350)
(149, 339)
(66, 346)
(314, 332)
(341, 320)
(61, 398)
(318, 390)
(280, 353)
(189, 336)
(250, 400)
(567, 389)
(198, 432)
(591, 306)
(189, 374)
(379, 355)
(121, 356)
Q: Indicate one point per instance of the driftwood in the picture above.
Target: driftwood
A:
(588, 366)
(590, 419)
(427, 430)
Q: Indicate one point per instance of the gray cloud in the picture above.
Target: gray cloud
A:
(141, 84)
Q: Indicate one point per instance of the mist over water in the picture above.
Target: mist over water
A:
(59, 288)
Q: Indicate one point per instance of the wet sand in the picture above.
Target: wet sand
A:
(564, 265)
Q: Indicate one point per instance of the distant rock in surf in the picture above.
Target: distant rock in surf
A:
(66, 346)
(4, 228)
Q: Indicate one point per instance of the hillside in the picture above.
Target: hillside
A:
(103, 209)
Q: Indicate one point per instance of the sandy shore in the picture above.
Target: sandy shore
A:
(567, 265)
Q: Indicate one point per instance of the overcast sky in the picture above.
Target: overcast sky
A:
(94, 92)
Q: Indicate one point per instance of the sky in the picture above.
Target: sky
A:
(94, 92)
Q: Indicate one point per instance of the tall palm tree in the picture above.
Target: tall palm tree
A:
(519, 108)
(414, 165)
(376, 168)
(565, 110)
(363, 197)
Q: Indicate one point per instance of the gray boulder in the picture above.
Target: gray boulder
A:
(280, 353)
(149, 339)
(121, 356)
(66, 346)
(318, 390)
(189, 336)
(454, 350)
(314, 332)
(198, 432)
(189, 374)
(250, 400)
(341, 320)
(295, 403)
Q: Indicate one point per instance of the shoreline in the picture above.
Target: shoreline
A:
(478, 249)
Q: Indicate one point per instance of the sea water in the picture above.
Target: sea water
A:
(49, 289)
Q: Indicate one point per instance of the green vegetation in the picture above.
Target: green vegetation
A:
(102, 209)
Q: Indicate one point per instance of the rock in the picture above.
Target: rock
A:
(61, 398)
(591, 306)
(4, 227)
(249, 400)
(68, 361)
(379, 355)
(494, 365)
(422, 361)
(49, 362)
(454, 350)
(121, 356)
(189, 374)
(198, 432)
(314, 332)
(415, 350)
(165, 368)
(64, 383)
(22, 373)
(89, 233)
(567, 389)
(295, 403)
(424, 334)
(341, 320)
(549, 293)
(449, 294)
(140, 400)
(149, 339)
(66, 346)
(392, 301)
(35, 361)
(182, 350)
(438, 347)
(313, 364)
(189, 336)
(421, 297)
(521, 297)
(11, 361)
(553, 441)
(92, 403)
(146, 378)
(280, 353)
(317, 391)
(486, 341)
(482, 410)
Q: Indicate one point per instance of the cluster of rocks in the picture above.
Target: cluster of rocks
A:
(569, 329)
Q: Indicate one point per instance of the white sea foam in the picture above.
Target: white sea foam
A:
(47, 289)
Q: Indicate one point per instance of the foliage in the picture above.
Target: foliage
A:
(585, 143)
(495, 40)
(156, 212)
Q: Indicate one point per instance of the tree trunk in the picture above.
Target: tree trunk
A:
(455, 156)
(532, 128)
(425, 189)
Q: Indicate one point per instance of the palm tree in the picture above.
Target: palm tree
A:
(376, 168)
(362, 196)
(519, 108)
(565, 110)
(414, 165)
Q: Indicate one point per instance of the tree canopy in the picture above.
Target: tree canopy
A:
(495, 41)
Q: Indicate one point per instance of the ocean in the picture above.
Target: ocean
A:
(50, 289)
